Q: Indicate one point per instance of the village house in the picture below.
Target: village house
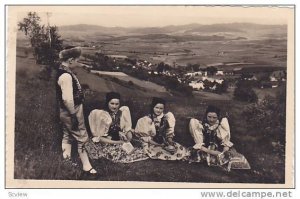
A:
(214, 87)
(197, 85)
(193, 74)
(220, 72)
(267, 84)
(278, 76)
(203, 82)
(229, 72)
(211, 79)
(249, 77)
(273, 79)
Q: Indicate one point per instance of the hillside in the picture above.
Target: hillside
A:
(37, 134)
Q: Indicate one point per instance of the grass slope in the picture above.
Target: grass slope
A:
(38, 135)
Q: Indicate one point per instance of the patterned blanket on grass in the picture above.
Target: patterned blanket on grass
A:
(115, 152)
(158, 152)
(143, 151)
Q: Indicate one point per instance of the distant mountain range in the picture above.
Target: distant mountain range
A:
(189, 32)
(184, 29)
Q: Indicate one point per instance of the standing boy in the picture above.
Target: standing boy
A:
(71, 97)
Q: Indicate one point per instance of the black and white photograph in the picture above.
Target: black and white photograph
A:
(150, 96)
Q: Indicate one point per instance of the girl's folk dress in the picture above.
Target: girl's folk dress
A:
(115, 126)
(216, 137)
(159, 129)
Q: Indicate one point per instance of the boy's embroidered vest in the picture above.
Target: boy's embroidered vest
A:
(78, 95)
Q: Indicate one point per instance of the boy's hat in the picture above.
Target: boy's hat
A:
(70, 53)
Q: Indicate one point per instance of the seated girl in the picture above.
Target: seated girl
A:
(111, 129)
(156, 130)
(212, 141)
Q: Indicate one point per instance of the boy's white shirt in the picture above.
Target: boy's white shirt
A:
(66, 86)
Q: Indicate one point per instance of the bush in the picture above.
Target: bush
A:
(130, 83)
(268, 118)
(244, 92)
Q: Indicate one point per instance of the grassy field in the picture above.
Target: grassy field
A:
(261, 44)
(126, 78)
(200, 52)
(38, 135)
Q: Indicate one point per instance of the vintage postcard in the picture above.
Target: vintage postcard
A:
(150, 96)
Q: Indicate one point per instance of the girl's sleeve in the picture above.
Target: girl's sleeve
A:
(171, 121)
(145, 129)
(99, 122)
(125, 120)
(225, 132)
(196, 128)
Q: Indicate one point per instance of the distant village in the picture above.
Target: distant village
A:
(199, 78)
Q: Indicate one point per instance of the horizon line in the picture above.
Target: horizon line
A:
(224, 23)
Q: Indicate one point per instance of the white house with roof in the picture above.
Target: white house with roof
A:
(220, 72)
(278, 76)
(249, 77)
(192, 74)
(211, 79)
(273, 79)
(214, 87)
(197, 85)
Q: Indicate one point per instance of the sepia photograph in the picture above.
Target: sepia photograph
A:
(150, 96)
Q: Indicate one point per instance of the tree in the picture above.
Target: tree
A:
(189, 67)
(45, 41)
(195, 67)
(222, 88)
(244, 92)
(32, 28)
(161, 67)
(264, 77)
(208, 85)
(103, 62)
(211, 70)
(47, 53)
(131, 61)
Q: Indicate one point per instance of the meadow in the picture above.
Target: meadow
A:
(261, 52)
(38, 135)
(127, 78)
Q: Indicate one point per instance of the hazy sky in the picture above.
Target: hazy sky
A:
(149, 16)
